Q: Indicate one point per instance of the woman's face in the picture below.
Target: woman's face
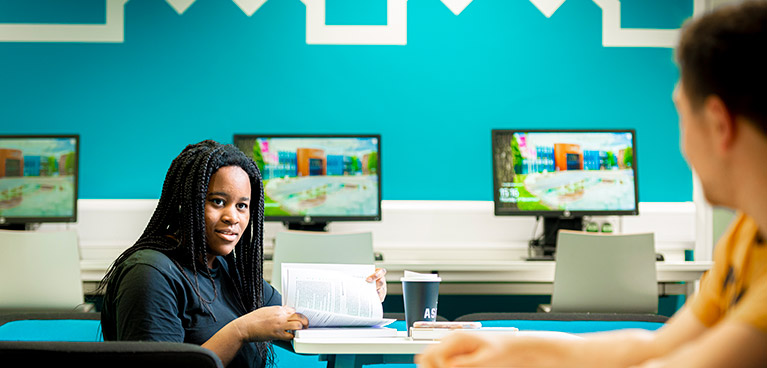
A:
(227, 210)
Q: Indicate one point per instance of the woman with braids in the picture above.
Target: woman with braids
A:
(195, 274)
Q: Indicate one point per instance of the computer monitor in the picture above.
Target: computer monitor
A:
(310, 180)
(564, 175)
(38, 179)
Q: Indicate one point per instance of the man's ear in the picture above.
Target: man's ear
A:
(720, 121)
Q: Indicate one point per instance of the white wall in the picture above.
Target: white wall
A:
(410, 230)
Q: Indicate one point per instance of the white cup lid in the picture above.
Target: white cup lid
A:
(420, 277)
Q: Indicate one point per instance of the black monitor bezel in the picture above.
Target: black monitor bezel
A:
(33, 220)
(563, 213)
(321, 219)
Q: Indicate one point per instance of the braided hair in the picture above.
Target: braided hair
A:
(177, 227)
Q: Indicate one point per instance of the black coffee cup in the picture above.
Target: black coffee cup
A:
(420, 298)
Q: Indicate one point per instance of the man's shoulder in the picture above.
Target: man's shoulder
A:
(743, 231)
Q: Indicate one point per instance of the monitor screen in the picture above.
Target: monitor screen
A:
(317, 178)
(565, 172)
(38, 178)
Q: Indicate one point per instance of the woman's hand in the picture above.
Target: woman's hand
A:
(270, 323)
(380, 280)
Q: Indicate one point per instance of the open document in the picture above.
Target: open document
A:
(333, 295)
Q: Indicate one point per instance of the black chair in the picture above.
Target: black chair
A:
(107, 353)
(19, 316)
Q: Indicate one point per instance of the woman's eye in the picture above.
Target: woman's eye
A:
(242, 206)
(217, 201)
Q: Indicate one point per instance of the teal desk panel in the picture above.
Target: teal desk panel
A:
(561, 326)
(51, 330)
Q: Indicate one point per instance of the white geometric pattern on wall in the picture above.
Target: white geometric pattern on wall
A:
(456, 6)
(547, 7)
(249, 6)
(613, 35)
(111, 31)
(319, 33)
(393, 33)
(180, 5)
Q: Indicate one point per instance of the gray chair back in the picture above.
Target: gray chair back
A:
(40, 270)
(315, 247)
(601, 273)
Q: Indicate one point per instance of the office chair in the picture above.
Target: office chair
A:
(108, 354)
(40, 270)
(66, 338)
(601, 273)
(315, 247)
(79, 339)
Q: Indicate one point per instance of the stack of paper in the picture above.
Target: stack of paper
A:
(333, 295)
(438, 333)
(346, 332)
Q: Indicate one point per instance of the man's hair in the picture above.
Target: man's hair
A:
(724, 53)
(177, 227)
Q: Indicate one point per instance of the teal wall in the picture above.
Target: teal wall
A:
(213, 71)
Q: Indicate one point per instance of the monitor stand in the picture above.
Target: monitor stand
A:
(307, 226)
(18, 227)
(545, 248)
(540, 257)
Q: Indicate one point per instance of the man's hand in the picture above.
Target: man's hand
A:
(462, 349)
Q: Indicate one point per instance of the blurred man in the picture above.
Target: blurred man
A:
(722, 103)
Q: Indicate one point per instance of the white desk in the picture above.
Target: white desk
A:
(480, 276)
(353, 353)
(526, 277)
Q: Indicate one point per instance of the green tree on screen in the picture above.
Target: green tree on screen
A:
(356, 164)
(516, 156)
(258, 157)
(628, 157)
(51, 165)
(373, 162)
(69, 163)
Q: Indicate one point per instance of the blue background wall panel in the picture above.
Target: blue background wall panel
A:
(212, 71)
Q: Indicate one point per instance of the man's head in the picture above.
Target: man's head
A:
(724, 53)
(722, 93)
